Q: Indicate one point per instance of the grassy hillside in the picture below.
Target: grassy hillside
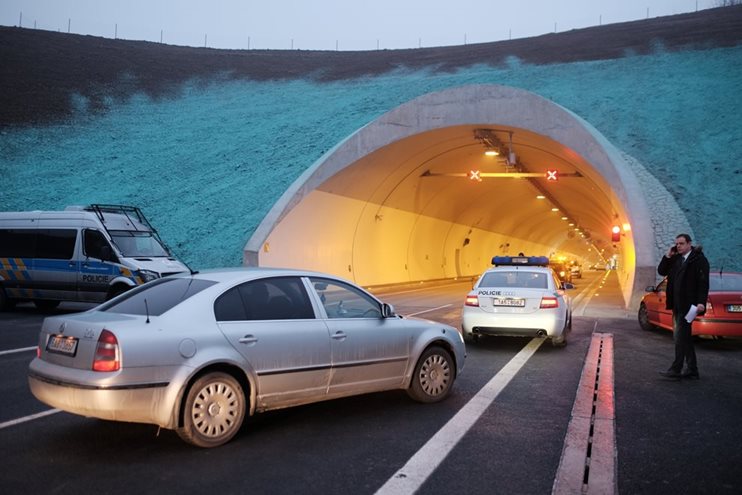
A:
(205, 148)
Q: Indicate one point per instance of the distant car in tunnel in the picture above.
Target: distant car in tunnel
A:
(199, 352)
(723, 316)
(576, 271)
(520, 296)
(562, 270)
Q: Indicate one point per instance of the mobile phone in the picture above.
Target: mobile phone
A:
(673, 250)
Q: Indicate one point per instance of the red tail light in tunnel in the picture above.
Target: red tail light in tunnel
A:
(549, 302)
(472, 301)
(107, 356)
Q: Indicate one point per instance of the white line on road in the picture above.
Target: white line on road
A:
(18, 421)
(428, 310)
(12, 351)
(421, 465)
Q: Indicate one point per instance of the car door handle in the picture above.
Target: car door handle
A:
(339, 336)
(248, 339)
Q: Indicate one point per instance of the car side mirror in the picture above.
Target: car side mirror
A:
(387, 311)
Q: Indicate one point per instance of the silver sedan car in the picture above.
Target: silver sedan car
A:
(197, 353)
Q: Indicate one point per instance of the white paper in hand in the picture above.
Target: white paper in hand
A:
(691, 314)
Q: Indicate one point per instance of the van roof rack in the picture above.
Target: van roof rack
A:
(133, 213)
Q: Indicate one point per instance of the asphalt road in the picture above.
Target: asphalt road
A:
(671, 437)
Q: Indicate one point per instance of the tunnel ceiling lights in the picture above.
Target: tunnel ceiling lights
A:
(499, 143)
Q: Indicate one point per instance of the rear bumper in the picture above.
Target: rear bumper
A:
(717, 326)
(149, 403)
(475, 321)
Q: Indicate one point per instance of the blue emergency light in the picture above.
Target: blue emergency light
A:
(520, 261)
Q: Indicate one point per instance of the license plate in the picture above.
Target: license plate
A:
(62, 345)
(734, 308)
(502, 301)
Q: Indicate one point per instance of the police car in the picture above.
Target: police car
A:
(520, 296)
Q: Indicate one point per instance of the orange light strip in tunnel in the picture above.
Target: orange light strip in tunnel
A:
(484, 175)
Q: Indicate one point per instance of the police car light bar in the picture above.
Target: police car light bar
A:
(520, 260)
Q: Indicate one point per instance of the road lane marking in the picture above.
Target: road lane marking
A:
(430, 287)
(588, 461)
(12, 351)
(412, 475)
(24, 419)
(428, 310)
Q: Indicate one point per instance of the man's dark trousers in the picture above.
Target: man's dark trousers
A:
(684, 349)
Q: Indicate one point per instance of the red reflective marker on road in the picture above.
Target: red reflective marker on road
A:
(588, 462)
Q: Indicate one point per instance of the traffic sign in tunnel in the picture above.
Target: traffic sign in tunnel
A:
(438, 186)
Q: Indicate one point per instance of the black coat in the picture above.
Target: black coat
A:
(687, 283)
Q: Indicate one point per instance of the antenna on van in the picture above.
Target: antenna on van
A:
(146, 308)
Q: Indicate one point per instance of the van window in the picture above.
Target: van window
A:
(55, 244)
(135, 243)
(17, 243)
(94, 240)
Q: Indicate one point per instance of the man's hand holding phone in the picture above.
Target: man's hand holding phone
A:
(672, 251)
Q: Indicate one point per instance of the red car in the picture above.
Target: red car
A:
(723, 316)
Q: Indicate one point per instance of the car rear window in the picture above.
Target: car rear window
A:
(517, 279)
(725, 282)
(156, 297)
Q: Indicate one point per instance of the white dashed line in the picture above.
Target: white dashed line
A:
(428, 310)
(13, 351)
(24, 419)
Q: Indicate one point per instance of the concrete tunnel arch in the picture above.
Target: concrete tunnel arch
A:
(390, 203)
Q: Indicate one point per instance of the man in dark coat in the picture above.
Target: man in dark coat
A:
(687, 271)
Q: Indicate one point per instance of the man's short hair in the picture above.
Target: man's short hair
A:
(684, 236)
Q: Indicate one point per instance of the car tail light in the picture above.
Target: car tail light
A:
(709, 307)
(107, 353)
(549, 302)
(472, 301)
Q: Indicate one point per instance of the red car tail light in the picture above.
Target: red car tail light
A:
(107, 356)
(472, 301)
(548, 302)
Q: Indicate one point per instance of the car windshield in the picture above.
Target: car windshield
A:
(156, 297)
(725, 282)
(520, 279)
(132, 243)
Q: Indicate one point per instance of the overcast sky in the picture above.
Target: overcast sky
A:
(330, 24)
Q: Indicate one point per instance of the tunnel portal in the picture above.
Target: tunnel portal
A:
(436, 187)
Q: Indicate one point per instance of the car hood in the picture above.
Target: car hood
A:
(161, 265)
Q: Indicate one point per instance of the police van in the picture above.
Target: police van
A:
(84, 253)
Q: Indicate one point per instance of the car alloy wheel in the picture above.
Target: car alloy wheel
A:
(433, 377)
(214, 410)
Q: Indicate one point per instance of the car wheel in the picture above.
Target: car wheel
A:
(560, 341)
(46, 304)
(433, 377)
(644, 318)
(214, 410)
(471, 338)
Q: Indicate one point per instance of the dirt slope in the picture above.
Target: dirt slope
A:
(41, 69)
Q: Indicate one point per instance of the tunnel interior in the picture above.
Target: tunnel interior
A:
(437, 187)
